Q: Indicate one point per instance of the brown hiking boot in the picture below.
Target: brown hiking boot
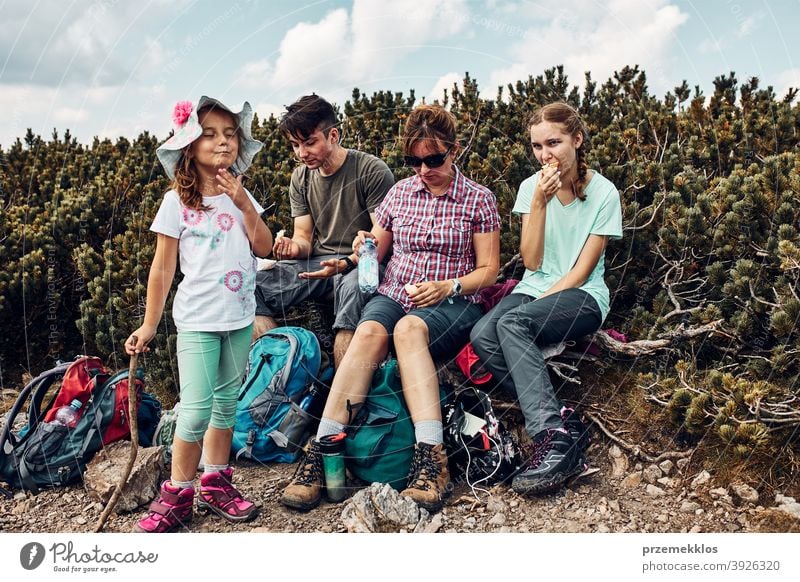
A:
(428, 478)
(305, 490)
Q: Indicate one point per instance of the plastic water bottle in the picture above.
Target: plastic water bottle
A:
(68, 415)
(368, 267)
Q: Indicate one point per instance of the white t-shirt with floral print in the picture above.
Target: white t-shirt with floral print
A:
(217, 263)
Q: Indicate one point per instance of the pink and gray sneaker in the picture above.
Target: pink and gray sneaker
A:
(218, 494)
(172, 511)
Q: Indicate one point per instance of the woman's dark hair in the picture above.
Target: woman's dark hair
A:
(186, 176)
(429, 123)
(572, 122)
(307, 115)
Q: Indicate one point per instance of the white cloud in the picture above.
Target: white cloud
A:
(69, 116)
(358, 46)
(51, 42)
(445, 82)
(264, 110)
(785, 80)
(254, 74)
(311, 52)
(600, 38)
(748, 25)
(86, 112)
(712, 45)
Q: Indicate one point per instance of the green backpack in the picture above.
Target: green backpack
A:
(380, 438)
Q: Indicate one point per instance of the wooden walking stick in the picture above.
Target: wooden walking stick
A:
(133, 416)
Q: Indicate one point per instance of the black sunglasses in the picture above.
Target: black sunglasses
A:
(433, 161)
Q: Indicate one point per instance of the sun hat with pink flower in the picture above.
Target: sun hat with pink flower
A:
(187, 129)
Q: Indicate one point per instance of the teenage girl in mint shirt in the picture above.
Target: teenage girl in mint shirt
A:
(569, 212)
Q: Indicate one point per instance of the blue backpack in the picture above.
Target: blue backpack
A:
(277, 403)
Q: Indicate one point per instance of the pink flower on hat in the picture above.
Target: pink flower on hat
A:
(181, 112)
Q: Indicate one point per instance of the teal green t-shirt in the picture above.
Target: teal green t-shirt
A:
(565, 232)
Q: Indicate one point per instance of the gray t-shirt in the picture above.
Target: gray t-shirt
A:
(340, 204)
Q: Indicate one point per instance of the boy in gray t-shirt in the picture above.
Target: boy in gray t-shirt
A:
(333, 195)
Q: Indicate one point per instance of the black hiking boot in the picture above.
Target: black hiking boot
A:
(553, 460)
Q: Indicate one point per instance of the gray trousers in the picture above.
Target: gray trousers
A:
(280, 288)
(508, 340)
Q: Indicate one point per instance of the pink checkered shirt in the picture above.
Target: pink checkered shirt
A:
(432, 235)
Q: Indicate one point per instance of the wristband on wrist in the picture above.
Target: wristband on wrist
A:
(350, 265)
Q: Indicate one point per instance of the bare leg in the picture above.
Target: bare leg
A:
(340, 345)
(262, 325)
(185, 459)
(417, 371)
(352, 381)
(217, 445)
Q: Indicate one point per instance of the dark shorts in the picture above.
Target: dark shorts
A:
(280, 288)
(448, 323)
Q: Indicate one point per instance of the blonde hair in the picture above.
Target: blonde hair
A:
(569, 117)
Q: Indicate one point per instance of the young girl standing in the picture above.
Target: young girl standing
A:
(214, 225)
(568, 214)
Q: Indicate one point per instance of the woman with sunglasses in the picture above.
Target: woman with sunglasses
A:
(444, 233)
(568, 214)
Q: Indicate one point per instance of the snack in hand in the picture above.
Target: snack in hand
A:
(410, 288)
(553, 164)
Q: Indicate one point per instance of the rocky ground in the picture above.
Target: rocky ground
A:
(614, 495)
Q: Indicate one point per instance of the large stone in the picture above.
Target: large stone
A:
(379, 508)
(632, 481)
(788, 505)
(666, 466)
(702, 478)
(652, 474)
(104, 472)
(619, 461)
(689, 507)
(743, 493)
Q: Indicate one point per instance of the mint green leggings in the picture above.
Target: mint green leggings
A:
(211, 366)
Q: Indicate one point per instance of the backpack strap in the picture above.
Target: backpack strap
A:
(278, 381)
(36, 390)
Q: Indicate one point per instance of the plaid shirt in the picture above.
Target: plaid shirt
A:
(432, 235)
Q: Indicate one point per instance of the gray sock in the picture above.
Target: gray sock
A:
(328, 426)
(429, 431)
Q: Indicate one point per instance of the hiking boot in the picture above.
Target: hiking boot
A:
(578, 431)
(218, 494)
(554, 458)
(428, 477)
(172, 511)
(305, 490)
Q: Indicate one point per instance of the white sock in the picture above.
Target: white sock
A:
(182, 484)
(213, 468)
(429, 431)
(328, 426)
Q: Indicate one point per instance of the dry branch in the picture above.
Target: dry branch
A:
(647, 347)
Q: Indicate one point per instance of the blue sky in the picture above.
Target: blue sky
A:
(114, 67)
